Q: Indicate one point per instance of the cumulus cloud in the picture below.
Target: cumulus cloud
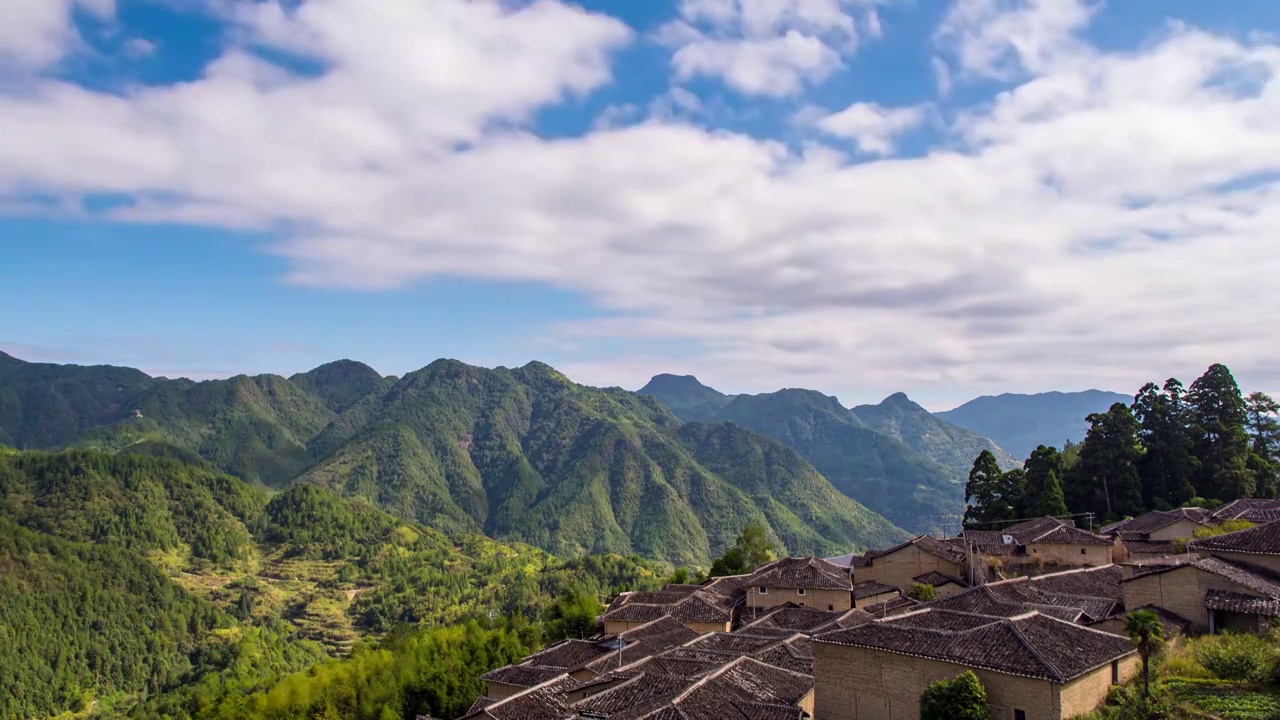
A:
(35, 33)
(871, 126)
(765, 47)
(1109, 218)
(1000, 38)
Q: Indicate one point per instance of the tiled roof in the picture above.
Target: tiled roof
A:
(568, 654)
(1260, 540)
(1043, 531)
(794, 618)
(664, 632)
(938, 548)
(1102, 581)
(1000, 600)
(522, 675)
(1137, 543)
(1156, 519)
(1259, 580)
(701, 606)
(795, 655)
(809, 573)
(1242, 603)
(1236, 509)
(890, 606)
(1031, 645)
(937, 579)
(540, 701)
(871, 588)
(852, 618)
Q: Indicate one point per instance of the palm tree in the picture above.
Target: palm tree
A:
(1147, 634)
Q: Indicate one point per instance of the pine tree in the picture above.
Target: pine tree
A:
(1264, 429)
(985, 494)
(1167, 465)
(1051, 502)
(1106, 478)
(1221, 442)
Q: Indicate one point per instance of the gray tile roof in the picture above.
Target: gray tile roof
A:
(1043, 531)
(793, 618)
(809, 573)
(1156, 519)
(1238, 509)
(1250, 577)
(1030, 645)
(937, 579)
(1242, 603)
(939, 548)
(1260, 540)
(871, 588)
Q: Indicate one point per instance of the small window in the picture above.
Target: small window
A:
(1082, 551)
(800, 591)
(764, 591)
(831, 608)
(1115, 672)
(1019, 715)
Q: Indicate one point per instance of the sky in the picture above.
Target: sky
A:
(945, 197)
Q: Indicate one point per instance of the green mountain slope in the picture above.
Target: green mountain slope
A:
(953, 447)
(44, 405)
(1020, 423)
(255, 428)
(687, 398)
(526, 454)
(339, 384)
(874, 468)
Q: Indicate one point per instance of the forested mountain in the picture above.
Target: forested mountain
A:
(900, 461)
(121, 575)
(523, 455)
(953, 447)
(1020, 423)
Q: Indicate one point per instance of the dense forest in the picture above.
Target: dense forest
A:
(1172, 446)
(144, 586)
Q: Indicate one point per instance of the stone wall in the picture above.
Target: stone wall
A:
(1179, 591)
(899, 568)
(818, 599)
(1085, 694)
(1184, 528)
(1271, 562)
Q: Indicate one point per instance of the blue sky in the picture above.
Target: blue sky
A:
(860, 196)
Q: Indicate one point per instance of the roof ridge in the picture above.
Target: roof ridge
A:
(705, 678)
(527, 690)
(1026, 642)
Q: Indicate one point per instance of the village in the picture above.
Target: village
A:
(1036, 611)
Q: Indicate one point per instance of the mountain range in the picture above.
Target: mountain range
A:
(518, 454)
(1020, 423)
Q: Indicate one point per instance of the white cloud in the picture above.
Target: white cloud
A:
(1111, 220)
(765, 47)
(139, 47)
(35, 33)
(999, 38)
(872, 127)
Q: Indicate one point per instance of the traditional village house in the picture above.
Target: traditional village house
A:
(944, 585)
(809, 582)
(871, 592)
(1037, 546)
(1033, 666)
(1151, 536)
(1254, 510)
(1233, 584)
(710, 607)
(901, 565)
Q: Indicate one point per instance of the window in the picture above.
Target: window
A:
(831, 608)
(1019, 715)
(764, 591)
(800, 591)
(1082, 551)
(1115, 672)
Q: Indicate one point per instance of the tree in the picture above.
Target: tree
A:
(1106, 478)
(1144, 630)
(573, 614)
(1167, 465)
(749, 551)
(960, 698)
(986, 493)
(1044, 486)
(1264, 429)
(922, 592)
(1051, 502)
(1218, 416)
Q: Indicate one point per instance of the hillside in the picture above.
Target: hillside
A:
(955, 448)
(519, 454)
(113, 581)
(877, 469)
(1020, 423)
(526, 454)
(688, 398)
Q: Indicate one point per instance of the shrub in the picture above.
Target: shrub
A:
(1229, 656)
(922, 592)
(961, 698)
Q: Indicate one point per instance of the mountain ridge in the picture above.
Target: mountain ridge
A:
(1020, 422)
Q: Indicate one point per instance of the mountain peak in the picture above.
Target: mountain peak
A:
(666, 382)
(7, 359)
(338, 384)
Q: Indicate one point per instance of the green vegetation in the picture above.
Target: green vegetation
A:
(256, 590)
(1171, 448)
(749, 551)
(1228, 677)
(43, 405)
(952, 447)
(922, 592)
(960, 698)
(878, 469)
(1147, 634)
(341, 384)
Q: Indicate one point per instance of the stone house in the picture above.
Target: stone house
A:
(901, 565)
(1257, 546)
(1034, 667)
(870, 592)
(944, 585)
(1151, 536)
(1036, 546)
(1209, 592)
(808, 582)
